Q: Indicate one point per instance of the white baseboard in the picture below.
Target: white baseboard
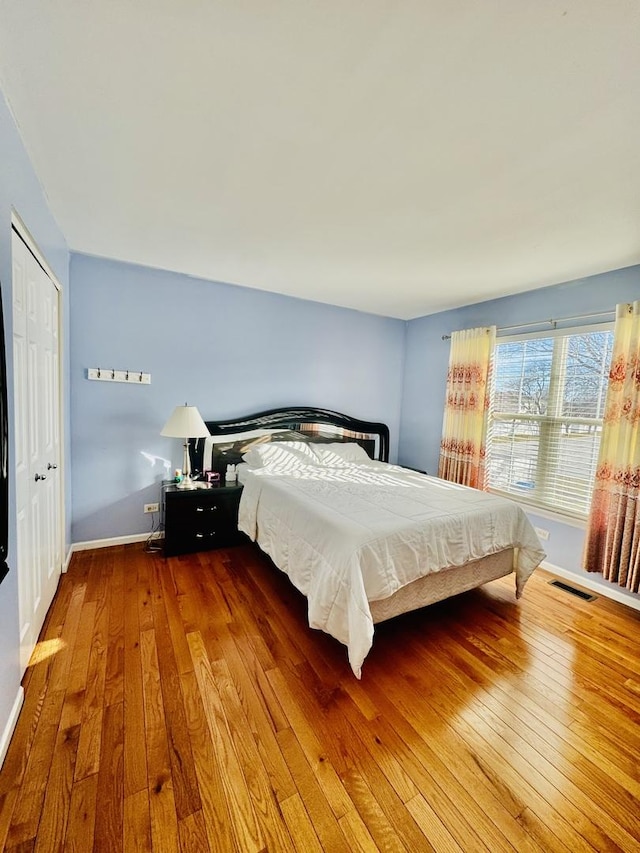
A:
(609, 591)
(114, 540)
(11, 724)
(68, 560)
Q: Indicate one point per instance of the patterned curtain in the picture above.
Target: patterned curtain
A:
(462, 449)
(613, 533)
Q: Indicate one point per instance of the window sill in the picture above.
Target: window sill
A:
(560, 518)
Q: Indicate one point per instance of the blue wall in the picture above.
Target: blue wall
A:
(21, 191)
(427, 357)
(227, 350)
(239, 350)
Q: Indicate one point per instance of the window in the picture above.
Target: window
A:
(545, 420)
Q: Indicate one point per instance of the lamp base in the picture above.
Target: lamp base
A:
(186, 483)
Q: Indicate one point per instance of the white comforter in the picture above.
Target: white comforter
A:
(355, 533)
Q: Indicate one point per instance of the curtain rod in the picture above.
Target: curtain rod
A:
(553, 323)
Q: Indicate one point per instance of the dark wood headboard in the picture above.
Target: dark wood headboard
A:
(311, 423)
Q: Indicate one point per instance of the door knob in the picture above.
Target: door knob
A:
(50, 466)
(40, 477)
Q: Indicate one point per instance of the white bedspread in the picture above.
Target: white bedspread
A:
(355, 533)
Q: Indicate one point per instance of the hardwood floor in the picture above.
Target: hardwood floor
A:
(184, 705)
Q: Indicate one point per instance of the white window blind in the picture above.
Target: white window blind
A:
(545, 419)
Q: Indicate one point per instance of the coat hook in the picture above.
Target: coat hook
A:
(113, 373)
(140, 376)
(127, 377)
(98, 373)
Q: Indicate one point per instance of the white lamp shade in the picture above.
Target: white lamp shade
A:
(185, 422)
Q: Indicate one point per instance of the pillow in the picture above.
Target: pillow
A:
(281, 453)
(341, 452)
(219, 451)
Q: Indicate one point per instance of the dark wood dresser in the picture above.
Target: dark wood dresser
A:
(200, 519)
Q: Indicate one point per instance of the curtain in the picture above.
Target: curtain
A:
(612, 544)
(462, 448)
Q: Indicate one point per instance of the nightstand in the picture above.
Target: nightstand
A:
(200, 519)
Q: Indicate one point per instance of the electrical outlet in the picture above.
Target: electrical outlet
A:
(541, 532)
(151, 507)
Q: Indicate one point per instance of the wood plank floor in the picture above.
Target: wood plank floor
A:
(184, 705)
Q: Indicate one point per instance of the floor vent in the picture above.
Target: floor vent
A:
(585, 596)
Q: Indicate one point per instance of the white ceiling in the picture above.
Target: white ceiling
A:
(397, 157)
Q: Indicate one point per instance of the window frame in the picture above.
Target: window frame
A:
(547, 510)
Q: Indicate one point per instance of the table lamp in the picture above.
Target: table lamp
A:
(185, 422)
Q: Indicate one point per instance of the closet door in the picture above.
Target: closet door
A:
(37, 441)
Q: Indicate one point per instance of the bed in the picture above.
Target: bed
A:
(362, 539)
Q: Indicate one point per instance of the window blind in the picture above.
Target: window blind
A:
(545, 417)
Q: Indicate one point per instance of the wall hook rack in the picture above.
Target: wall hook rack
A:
(110, 374)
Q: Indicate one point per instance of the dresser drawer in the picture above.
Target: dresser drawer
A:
(210, 516)
(187, 541)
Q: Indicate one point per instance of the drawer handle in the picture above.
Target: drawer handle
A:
(205, 535)
(206, 508)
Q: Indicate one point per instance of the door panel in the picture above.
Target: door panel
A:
(37, 394)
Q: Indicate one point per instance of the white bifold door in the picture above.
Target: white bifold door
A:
(36, 364)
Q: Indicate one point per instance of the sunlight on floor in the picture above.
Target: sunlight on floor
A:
(46, 649)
